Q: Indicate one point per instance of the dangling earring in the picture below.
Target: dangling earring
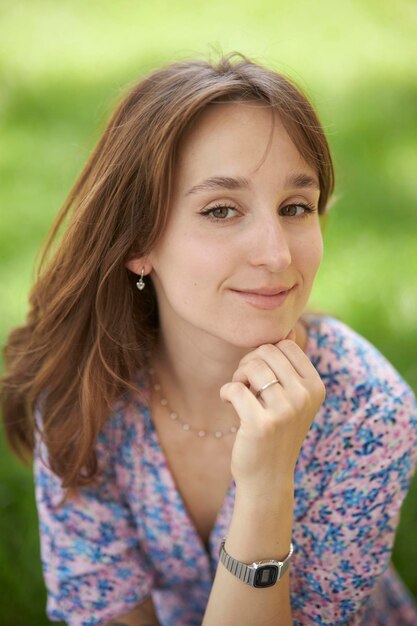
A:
(141, 283)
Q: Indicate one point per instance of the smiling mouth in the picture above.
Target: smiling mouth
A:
(265, 298)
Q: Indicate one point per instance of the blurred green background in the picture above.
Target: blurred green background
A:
(63, 66)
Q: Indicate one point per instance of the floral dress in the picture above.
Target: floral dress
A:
(130, 536)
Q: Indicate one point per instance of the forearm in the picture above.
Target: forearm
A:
(258, 530)
(143, 615)
(132, 621)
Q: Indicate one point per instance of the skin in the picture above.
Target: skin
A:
(144, 615)
(130, 623)
(206, 327)
(126, 624)
(198, 261)
(218, 345)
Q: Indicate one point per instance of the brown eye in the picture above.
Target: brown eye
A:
(296, 210)
(290, 210)
(221, 212)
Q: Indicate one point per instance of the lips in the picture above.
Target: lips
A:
(265, 291)
(266, 298)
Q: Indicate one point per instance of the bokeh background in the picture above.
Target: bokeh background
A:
(64, 65)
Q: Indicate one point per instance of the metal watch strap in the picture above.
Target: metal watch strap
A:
(246, 573)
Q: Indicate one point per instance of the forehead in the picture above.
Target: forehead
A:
(236, 138)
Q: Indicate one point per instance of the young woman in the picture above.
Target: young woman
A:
(176, 393)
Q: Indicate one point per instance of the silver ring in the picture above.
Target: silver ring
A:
(272, 382)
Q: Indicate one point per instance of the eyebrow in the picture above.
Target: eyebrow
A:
(219, 182)
(299, 181)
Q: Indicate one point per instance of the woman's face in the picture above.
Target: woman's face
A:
(243, 244)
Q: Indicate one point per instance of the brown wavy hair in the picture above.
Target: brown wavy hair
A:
(88, 328)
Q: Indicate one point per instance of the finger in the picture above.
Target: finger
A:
(256, 373)
(298, 359)
(242, 400)
(264, 364)
(298, 376)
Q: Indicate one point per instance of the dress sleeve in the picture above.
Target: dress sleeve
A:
(93, 566)
(353, 486)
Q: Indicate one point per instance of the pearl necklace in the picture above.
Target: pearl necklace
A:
(186, 426)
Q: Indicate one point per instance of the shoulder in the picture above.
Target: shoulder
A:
(118, 446)
(366, 429)
(368, 406)
(124, 429)
(345, 359)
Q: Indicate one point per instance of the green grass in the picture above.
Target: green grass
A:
(63, 65)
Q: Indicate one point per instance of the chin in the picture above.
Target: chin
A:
(271, 339)
(254, 340)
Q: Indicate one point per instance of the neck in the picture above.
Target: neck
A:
(191, 377)
(192, 373)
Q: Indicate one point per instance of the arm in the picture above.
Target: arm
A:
(93, 564)
(143, 615)
(273, 427)
(258, 530)
(352, 477)
(345, 538)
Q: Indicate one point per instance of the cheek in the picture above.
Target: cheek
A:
(317, 253)
(308, 254)
(187, 267)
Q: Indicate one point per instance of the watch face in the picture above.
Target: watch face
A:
(266, 576)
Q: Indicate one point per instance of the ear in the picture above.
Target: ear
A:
(136, 265)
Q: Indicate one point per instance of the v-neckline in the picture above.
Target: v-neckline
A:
(223, 517)
(224, 514)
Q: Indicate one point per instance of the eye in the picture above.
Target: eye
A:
(297, 210)
(219, 213)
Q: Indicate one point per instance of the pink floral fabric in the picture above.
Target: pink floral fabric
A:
(130, 536)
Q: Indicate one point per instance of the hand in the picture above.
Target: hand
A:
(274, 425)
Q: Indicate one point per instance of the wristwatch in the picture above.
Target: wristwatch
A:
(258, 574)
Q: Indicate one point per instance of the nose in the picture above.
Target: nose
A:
(270, 245)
